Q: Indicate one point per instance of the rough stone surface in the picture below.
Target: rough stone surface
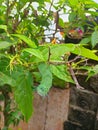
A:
(69, 125)
(82, 81)
(94, 83)
(1, 114)
(81, 116)
(83, 98)
(91, 84)
(96, 122)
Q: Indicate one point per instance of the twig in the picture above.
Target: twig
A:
(77, 57)
(74, 77)
(61, 7)
(49, 54)
(63, 62)
(57, 63)
(7, 11)
(50, 9)
(17, 22)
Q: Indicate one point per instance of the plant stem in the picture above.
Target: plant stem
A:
(7, 11)
(6, 102)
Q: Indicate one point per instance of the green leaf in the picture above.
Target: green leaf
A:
(26, 40)
(4, 63)
(85, 40)
(80, 50)
(93, 70)
(46, 82)
(72, 16)
(57, 51)
(5, 79)
(23, 94)
(61, 23)
(36, 52)
(94, 39)
(4, 27)
(61, 72)
(5, 44)
(73, 2)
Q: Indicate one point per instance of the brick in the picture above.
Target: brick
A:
(83, 98)
(94, 83)
(68, 125)
(96, 122)
(83, 117)
(82, 81)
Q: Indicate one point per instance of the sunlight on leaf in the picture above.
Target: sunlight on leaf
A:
(35, 52)
(5, 44)
(3, 27)
(82, 51)
(26, 40)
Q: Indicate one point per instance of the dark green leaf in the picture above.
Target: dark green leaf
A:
(61, 72)
(5, 79)
(85, 40)
(23, 94)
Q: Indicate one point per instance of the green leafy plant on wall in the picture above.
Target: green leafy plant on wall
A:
(28, 63)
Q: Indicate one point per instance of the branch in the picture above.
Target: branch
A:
(73, 60)
(74, 77)
(7, 11)
(57, 63)
(26, 11)
(50, 9)
(64, 62)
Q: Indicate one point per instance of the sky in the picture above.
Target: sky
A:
(96, 1)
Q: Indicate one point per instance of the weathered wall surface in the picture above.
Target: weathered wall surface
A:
(83, 106)
(50, 112)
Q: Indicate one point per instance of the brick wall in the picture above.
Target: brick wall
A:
(83, 106)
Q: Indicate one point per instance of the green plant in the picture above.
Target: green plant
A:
(27, 62)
